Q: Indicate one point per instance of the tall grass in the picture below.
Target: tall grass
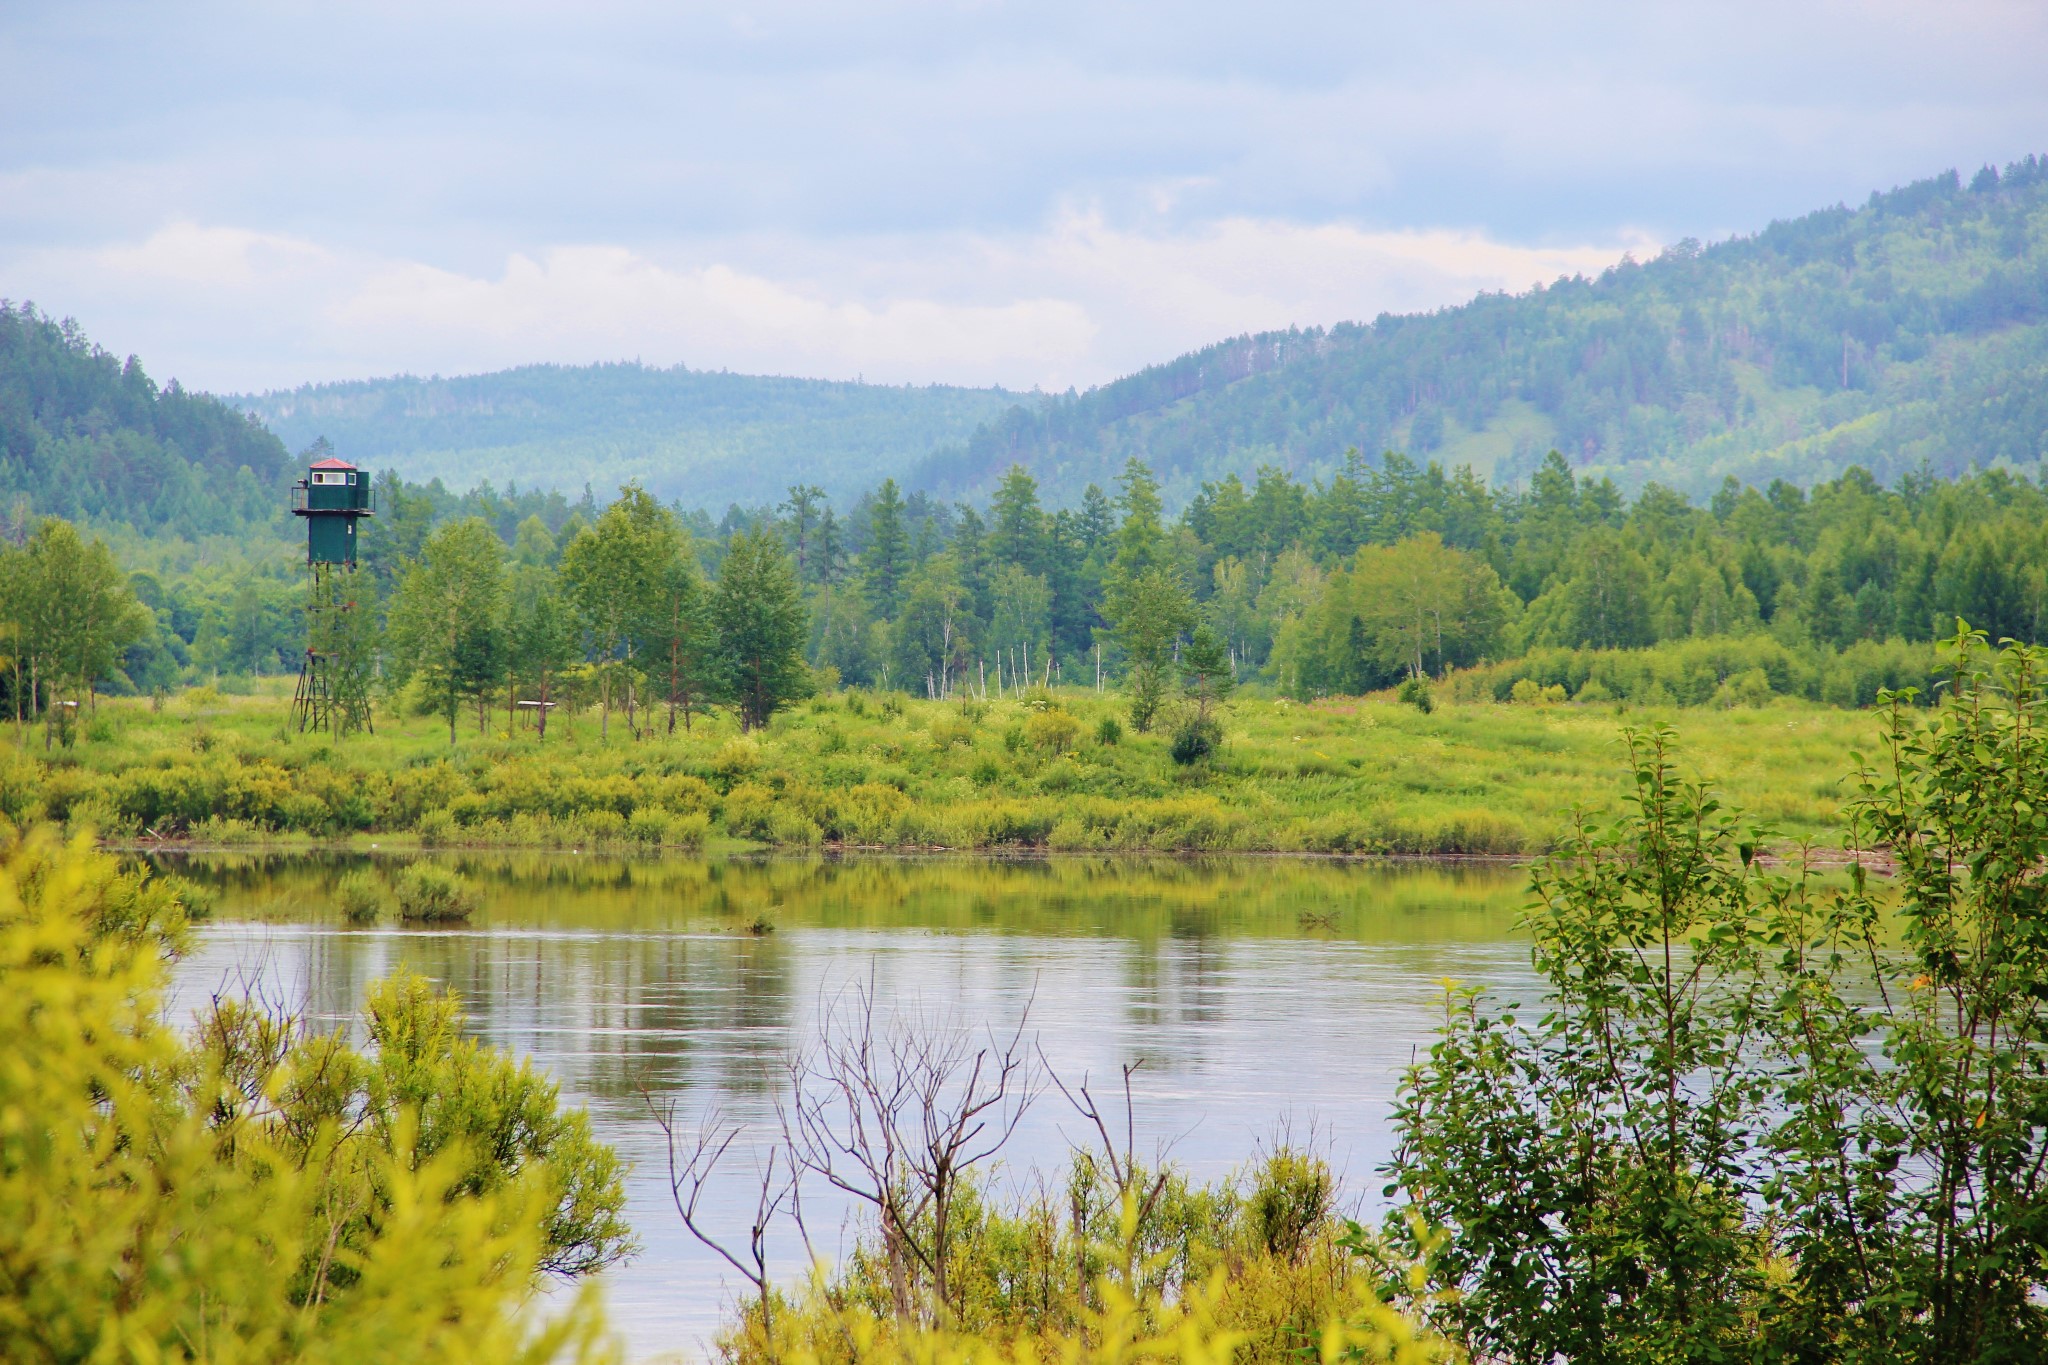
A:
(1344, 776)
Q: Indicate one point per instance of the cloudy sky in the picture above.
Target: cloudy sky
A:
(261, 194)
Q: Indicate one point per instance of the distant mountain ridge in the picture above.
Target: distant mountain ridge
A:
(1909, 329)
(703, 438)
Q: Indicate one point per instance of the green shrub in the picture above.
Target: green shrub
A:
(603, 825)
(360, 897)
(1525, 692)
(1750, 688)
(434, 894)
(1414, 692)
(951, 728)
(1293, 1194)
(689, 830)
(1109, 732)
(133, 1221)
(1052, 731)
(736, 758)
(793, 829)
(648, 825)
(198, 898)
(748, 809)
(1195, 740)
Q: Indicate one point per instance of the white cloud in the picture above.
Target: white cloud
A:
(922, 189)
(1078, 303)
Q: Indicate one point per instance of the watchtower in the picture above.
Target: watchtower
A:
(332, 497)
(334, 680)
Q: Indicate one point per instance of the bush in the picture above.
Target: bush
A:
(1415, 692)
(1525, 692)
(1752, 688)
(648, 825)
(198, 898)
(736, 758)
(951, 728)
(1195, 740)
(1052, 731)
(360, 897)
(689, 830)
(434, 894)
(262, 1231)
(793, 829)
(1109, 732)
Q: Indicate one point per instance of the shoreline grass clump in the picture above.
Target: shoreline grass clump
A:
(359, 895)
(429, 893)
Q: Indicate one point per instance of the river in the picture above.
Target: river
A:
(1264, 999)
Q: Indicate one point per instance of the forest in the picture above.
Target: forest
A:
(1903, 332)
(1390, 570)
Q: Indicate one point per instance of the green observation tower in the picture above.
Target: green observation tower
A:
(334, 681)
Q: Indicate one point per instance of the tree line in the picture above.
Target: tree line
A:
(1389, 571)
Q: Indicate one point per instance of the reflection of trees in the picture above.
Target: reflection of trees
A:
(618, 973)
(1177, 985)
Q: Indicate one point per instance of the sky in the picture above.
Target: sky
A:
(259, 195)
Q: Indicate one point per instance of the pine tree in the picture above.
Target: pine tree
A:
(886, 561)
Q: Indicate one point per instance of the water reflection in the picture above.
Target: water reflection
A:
(1257, 992)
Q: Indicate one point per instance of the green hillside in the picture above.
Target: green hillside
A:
(1910, 329)
(700, 438)
(86, 436)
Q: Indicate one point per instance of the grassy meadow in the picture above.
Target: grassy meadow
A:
(1057, 770)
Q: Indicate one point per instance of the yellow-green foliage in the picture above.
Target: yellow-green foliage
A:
(1252, 1269)
(431, 892)
(143, 1217)
(1341, 776)
(360, 897)
(1203, 1328)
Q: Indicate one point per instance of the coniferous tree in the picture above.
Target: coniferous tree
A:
(1017, 530)
(1205, 673)
(886, 560)
(802, 508)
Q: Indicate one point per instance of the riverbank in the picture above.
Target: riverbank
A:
(1061, 771)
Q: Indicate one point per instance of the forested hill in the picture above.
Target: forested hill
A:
(701, 438)
(1912, 328)
(88, 436)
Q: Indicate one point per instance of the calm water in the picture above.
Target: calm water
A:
(1260, 996)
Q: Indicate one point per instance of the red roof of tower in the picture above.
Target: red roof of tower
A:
(331, 464)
